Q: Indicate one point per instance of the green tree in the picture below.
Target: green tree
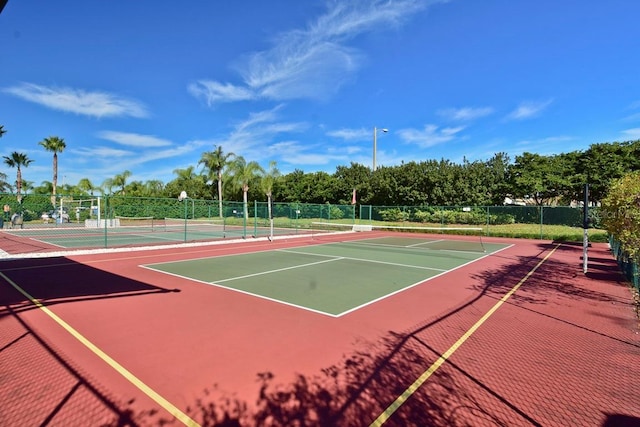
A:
(541, 178)
(45, 188)
(268, 181)
(215, 163)
(18, 161)
(355, 176)
(86, 186)
(107, 186)
(55, 145)
(187, 180)
(606, 162)
(5, 186)
(120, 181)
(242, 174)
(154, 187)
(621, 213)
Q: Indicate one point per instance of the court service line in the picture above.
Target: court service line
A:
(164, 403)
(262, 273)
(363, 260)
(384, 416)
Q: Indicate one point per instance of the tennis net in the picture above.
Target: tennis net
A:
(193, 225)
(467, 239)
(142, 222)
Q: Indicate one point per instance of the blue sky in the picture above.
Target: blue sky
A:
(148, 86)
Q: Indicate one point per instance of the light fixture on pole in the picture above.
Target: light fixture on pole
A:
(375, 143)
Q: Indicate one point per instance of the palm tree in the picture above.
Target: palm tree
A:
(188, 180)
(268, 180)
(107, 186)
(154, 187)
(18, 160)
(242, 174)
(120, 180)
(86, 185)
(4, 185)
(2, 131)
(215, 162)
(55, 145)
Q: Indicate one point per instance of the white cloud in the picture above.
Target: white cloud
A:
(352, 134)
(78, 101)
(214, 92)
(252, 137)
(465, 113)
(430, 136)
(631, 133)
(102, 153)
(313, 62)
(133, 139)
(527, 110)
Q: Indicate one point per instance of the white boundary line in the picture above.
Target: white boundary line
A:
(363, 260)
(335, 258)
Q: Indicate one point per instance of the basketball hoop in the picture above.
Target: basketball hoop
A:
(182, 196)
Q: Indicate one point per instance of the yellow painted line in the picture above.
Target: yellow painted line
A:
(168, 406)
(383, 417)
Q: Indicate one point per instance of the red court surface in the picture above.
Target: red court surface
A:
(519, 338)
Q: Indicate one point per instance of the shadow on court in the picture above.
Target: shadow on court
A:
(39, 385)
(516, 370)
(501, 379)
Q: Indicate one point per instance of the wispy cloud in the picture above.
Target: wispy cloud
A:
(214, 92)
(133, 139)
(78, 101)
(254, 136)
(465, 113)
(527, 110)
(430, 136)
(313, 62)
(352, 134)
(631, 133)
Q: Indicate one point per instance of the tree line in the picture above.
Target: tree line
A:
(219, 175)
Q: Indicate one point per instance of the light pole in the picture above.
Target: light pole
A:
(375, 143)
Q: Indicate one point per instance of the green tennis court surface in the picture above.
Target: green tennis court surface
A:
(332, 278)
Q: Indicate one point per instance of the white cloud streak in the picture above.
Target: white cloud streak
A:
(632, 134)
(313, 62)
(134, 139)
(528, 110)
(78, 101)
(465, 113)
(352, 134)
(430, 136)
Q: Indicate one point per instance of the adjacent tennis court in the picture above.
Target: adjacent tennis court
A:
(334, 278)
(129, 232)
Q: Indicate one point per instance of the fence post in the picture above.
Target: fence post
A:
(541, 220)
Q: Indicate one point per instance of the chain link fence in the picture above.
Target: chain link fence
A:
(81, 222)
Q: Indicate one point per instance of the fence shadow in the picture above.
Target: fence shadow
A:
(40, 384)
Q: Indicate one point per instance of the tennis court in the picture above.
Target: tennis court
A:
(343, 328)
(334, 278)
(131, 232)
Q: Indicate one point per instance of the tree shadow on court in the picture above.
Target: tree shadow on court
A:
(361, 386)
(40, 384)
(559, 278)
